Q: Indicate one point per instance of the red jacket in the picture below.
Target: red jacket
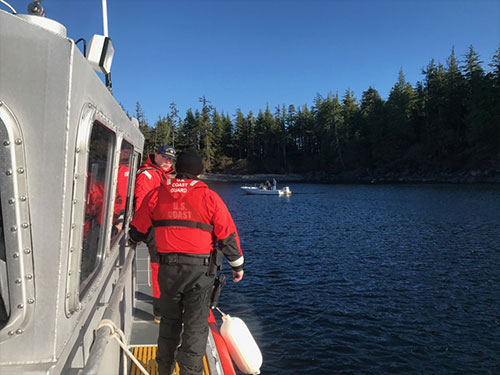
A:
(149, 177)
(188, 217)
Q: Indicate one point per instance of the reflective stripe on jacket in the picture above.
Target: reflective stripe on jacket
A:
(188, 217)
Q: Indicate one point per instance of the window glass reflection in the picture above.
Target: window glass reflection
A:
(122, 190)
(96, 197)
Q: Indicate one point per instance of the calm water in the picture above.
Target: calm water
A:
(345, 279)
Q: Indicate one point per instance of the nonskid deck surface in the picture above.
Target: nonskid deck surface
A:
(144, 335)
(147, 354)
(144, 330)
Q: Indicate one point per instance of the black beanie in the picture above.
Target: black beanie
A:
(189, 163)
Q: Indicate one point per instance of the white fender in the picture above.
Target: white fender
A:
(241, 345)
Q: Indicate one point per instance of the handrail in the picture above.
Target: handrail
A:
(103, 333)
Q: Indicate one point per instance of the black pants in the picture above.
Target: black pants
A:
(185, 298)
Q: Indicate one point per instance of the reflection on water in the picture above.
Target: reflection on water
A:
(352, 279)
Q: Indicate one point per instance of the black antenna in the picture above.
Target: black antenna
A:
(84, 46)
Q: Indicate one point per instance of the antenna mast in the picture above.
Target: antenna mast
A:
(105, 17)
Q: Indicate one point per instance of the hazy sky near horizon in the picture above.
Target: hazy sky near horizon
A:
(250, 54)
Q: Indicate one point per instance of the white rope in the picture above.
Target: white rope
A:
(119, 336)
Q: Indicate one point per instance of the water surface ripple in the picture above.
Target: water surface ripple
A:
(346, 279)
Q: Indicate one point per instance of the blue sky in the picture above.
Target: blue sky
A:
(251, 53)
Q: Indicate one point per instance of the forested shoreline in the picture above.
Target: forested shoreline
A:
(445, 128)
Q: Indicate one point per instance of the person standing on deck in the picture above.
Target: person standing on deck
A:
(158, 167)
(189, 221)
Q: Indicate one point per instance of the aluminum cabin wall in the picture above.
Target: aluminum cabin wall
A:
(34, 73)
(46, 82)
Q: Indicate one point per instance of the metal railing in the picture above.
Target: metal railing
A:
(104, 333)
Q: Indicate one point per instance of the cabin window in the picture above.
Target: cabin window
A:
(4, 291)
(96, 199)
(122, 193)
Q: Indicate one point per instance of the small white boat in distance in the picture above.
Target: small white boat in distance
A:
(260, 191)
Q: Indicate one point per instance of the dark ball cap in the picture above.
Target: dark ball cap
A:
(166, 151)
(189, 163)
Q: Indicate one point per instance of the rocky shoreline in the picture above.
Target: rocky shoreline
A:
(362, 177)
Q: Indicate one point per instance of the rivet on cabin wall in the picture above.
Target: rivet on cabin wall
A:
(25, 225)
(18, 281)
(27, 251)
(19, 331)
(22, 198)
(31, 300)
(13, 229)
(16, 255)
(77, 149)
(76, 176)
(12, 201)
(69, 273)
(6, 143)
(20, 170)
(29, 276)
(9, 172)
(18, 141)
(20, 306)
(11, 333)
(68, 295)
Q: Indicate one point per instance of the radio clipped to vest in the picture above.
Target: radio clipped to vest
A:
(219, 283)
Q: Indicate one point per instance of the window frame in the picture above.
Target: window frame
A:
(16, 225)
(76, 292)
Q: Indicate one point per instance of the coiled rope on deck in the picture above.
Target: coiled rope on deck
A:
(119, 336)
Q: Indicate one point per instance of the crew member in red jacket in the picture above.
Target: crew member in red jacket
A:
(189, 221)
(158, 167)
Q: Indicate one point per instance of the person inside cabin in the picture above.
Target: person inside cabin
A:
(121, 189)
(190, 221)
(93, 220)
(157, 167)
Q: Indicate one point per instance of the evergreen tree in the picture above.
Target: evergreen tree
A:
(149, 134)
(350, 132)
(480, 120)
(206, 135)
(395, 135)
(372, 117)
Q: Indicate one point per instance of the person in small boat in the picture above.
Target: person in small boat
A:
(274, 184)
(158, 167)
(189, 220)
(267, 185)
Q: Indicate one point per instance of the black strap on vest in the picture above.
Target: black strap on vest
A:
(183, 223)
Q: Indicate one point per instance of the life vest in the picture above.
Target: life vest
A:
(187, 217)
(180, 213)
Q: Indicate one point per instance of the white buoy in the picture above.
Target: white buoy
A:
(241, 344)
